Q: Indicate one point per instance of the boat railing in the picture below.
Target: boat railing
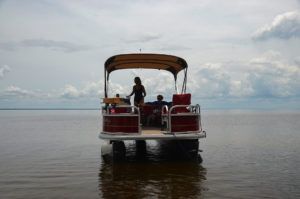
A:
(191, 110)
(112, 112)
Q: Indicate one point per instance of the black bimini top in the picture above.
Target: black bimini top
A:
(169, 63)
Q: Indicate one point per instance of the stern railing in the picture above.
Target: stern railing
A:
(110, 111)
(193, 110)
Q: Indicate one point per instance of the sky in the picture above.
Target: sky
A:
(241, 54)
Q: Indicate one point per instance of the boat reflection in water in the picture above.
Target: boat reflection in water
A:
(155, 173)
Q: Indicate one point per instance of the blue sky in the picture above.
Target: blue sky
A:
(241, 54)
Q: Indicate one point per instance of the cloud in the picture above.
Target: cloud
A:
(64, 46)
(174, 47)
(268, 76)
(211, 80)
(54, 45)
(139, 38)
(271, 76)
(70, 92)
(14, 92)
(3, 70)
(162, 83)
(8, 46)
(89, 90)
(214, 80)
(297, 60)
(284, 26)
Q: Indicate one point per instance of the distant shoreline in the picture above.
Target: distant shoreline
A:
(45, 109)
(205, 109)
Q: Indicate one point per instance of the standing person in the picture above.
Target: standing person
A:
(139, 92)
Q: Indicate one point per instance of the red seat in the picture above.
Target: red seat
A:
(151, 111)
(148, 109)
(121, 110)
(181, 99)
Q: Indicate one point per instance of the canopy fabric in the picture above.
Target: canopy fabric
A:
(170, 63)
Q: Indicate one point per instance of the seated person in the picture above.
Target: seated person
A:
(122, 101)
(154, 117)
(159, 101)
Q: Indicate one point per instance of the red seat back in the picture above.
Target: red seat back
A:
(147, 109)
(181, 99)
(121, 110)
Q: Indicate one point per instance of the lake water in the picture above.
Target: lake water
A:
(56, 154)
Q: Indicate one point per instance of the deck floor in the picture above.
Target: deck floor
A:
(151, 131)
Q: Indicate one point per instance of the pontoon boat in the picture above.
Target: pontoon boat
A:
(179, 122)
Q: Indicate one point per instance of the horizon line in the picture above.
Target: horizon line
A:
(99, 108)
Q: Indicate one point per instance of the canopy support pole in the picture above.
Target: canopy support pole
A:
(176, 90)
(183, 89)
(105, 83)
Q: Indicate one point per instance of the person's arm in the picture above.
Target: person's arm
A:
(131, 92)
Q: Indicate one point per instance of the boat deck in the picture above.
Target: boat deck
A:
(153, 134)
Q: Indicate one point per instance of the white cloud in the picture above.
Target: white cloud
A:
(3, 70)
(64, 46)
(297, 60)
(162, 83)
(14, 92)
(211, 81)
(272, 76)
(269, 76)
(284, 26)
(219, 80)
(70, 92)
(90, 90)
(144, 37)
(266, 76)
(55, 45)
(214, 34)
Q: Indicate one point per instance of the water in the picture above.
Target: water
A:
(56, 154)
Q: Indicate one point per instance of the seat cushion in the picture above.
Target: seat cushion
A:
(181, 99)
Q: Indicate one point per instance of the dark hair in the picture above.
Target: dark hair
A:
(160, 97)
(137, 80)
